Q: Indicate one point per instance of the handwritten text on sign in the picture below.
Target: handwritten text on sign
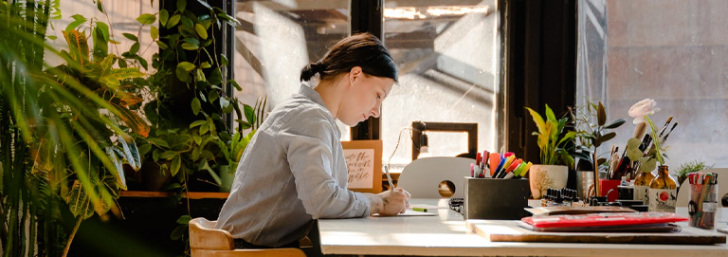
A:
(360, 163)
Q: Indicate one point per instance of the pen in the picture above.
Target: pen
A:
(419, 209)
(389, 177)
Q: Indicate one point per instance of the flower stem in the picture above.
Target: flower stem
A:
(655, 139)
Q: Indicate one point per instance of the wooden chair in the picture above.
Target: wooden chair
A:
(422, 177)
(206, 241)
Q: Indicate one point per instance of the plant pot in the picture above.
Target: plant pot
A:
(226, 177)
(152, 177)
(543, 177)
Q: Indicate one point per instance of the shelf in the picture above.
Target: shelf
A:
(192, 195)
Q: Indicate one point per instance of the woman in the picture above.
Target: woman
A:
(294, 170)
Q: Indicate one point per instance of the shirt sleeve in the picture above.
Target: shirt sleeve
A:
(307, 140)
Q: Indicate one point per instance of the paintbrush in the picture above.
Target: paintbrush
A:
(665, 126)
(668, 133)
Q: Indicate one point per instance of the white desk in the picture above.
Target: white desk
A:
(446, 235)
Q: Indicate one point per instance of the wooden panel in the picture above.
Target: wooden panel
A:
(509, 231)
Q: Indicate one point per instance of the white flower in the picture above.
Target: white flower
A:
(642, 108)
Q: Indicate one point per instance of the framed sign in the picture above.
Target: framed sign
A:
(364, 163)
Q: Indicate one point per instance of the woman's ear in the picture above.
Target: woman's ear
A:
(355, 73)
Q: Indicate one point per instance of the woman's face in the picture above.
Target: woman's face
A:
(364, 97)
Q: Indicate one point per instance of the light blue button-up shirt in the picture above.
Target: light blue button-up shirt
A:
(293, 171)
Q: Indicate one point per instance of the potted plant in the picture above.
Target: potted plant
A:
(555, 160)
(233, 150)
(64, 130)
(590, 124)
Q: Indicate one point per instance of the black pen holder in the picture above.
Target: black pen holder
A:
(496, 199)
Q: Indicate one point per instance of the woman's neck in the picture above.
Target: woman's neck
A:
(331, 92)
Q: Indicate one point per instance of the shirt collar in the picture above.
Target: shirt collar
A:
(308, 92)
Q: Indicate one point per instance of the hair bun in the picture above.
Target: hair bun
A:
(318, 67)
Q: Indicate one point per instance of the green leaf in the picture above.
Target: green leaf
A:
(213, 95)
(249, 114)
(205, 65)
(607, 137)
(615, 124)
(201, 31)
(173, 21)
(130, 36)
(79, 202)
(197, 123)
(187, 66)
(168, 155)
(162, 45)
(550, 114)
(200, 75)
(144, 150)
(540, 124)
(52, 37)
(235, 84)
(159, 142)
(205, 4)
(197, 139)
(196, 106)
(146, 19)
(634, 154)
(601, 115)
(215, 77)
(134, 48)
(119, 174)
(633, 143)
(155, 32)
(132, 153)
(178, 232)
(163, 17)
(176, 163)
(99, 6)
(187, 23)
(204, 129)
(223, 60)
(77, 22)
(181, 5)
(182, 74)
(188, 46)
(184, 220)
(104, 29)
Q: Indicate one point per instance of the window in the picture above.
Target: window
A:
(277, 39)
(447, 52)
(122, 15)
(669, 50)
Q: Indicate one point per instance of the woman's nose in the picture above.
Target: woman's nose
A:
(376, 110)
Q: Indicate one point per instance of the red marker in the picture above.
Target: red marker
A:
(477, 159)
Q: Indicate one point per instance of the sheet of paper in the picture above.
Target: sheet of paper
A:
(428, 206)
(410, 213)
(360, 164)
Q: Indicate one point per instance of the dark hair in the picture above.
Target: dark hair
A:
(363, 50)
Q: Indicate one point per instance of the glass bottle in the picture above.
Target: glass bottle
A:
(663, 191)
(642, 185)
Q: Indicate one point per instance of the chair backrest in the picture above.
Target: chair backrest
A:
(684, 193)
(423, 176)
(204, 235)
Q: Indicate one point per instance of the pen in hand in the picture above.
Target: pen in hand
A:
(389, 177)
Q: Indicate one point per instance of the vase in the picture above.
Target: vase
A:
(663, 191)
(543, 177)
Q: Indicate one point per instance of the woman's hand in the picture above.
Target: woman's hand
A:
(390, 203)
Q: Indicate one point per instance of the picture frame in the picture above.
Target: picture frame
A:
(364, 164)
